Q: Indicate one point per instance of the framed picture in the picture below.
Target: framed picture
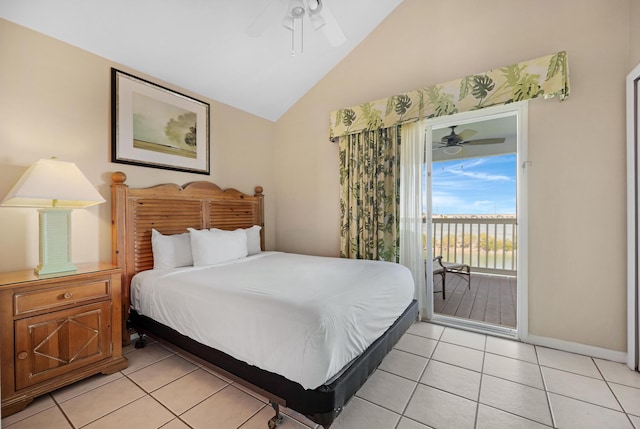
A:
(153, 126)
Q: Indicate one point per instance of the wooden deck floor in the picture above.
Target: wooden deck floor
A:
(492, 299)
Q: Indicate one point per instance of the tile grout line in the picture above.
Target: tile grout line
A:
(614, 393)
(153, 397)
(86, 391)
(590, 403)
(413, 391)
(148, 394)
(546, 390)
(484, 354)
(607, 383)
(252, 416)
(401, 415)
(59, 404)
(402, 376)
(199, 366)
(373, 403)
(483, 374)
(175, 416)
(417, 382)
(529, 419)
(180, 420)
(61, 410)
(145, 393)
(27, 417)
(481, 371)
(198, 403)
(149, 364)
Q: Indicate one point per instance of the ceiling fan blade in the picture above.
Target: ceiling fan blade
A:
(466, 134)
(331, 28)
(483, 141)
(271, 14)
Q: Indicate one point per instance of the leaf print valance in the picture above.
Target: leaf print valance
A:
(542, 77)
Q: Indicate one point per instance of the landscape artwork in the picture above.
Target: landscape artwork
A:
(153, 126)
(164, 128)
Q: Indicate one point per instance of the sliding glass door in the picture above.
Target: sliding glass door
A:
(475, 242)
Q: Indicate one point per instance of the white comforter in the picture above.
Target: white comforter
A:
(303, 317)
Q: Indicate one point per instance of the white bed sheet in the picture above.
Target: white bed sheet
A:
(303, 317)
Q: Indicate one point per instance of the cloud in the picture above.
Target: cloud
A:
(483, 176)
(474, 186)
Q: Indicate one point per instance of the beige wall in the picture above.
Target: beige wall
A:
(56, 102)
(634, 33)
(577, 179)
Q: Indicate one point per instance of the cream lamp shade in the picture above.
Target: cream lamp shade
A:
(55, 187)
(53, 183)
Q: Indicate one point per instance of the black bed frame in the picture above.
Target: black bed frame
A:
(172, 209)
(323, 404)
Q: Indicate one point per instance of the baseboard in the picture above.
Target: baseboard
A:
(583, 349)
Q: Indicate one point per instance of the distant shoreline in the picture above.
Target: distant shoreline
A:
(474, 216)
(169, 150)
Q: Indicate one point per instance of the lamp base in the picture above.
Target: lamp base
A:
(51, 270)
(55, 241)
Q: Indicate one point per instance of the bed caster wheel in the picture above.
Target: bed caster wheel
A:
(278, 418)
(140, 342)
(275, 421)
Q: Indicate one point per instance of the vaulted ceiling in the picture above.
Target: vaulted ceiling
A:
(204, 46)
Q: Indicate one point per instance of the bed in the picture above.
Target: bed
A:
(310, 375)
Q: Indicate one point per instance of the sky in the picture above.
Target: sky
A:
(475, 186)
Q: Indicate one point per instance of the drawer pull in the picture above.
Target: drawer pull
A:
(23, 355)
(68, 295)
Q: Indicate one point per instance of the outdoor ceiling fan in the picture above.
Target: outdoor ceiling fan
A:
(292, 17)
(451, 144)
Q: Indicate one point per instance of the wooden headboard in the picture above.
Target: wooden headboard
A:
(171, 209)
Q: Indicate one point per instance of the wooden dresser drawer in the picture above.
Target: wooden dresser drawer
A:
(46, 299)
(57, 329)
(51, 344)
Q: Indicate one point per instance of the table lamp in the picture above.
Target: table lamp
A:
(56, 187)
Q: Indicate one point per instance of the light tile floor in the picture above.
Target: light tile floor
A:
(436, 377)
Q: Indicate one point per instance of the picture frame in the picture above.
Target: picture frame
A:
(153, 126)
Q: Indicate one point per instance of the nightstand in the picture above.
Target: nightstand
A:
(57, 330)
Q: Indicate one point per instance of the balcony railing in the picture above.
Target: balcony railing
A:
(488, 243)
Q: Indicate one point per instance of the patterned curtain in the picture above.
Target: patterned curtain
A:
(370, 194)
(541, 77)
(369, 138)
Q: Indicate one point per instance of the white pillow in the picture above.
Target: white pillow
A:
(171, 251)
(214, 246)
(253, 239)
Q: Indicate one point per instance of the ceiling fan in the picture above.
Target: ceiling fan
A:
(451, 144)
(292, 17)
